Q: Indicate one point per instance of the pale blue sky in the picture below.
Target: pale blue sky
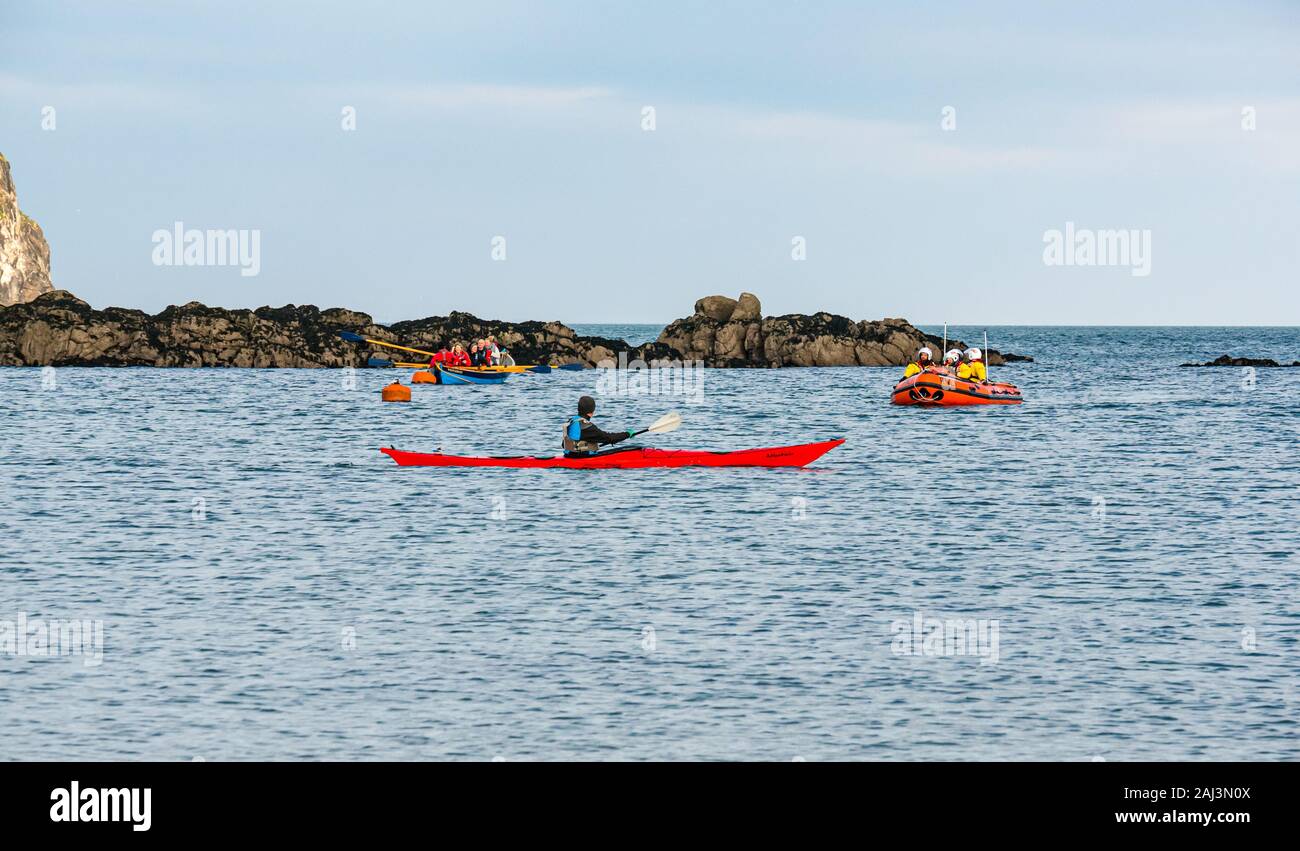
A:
(774, 120)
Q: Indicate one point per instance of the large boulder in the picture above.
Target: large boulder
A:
(716, 307)
(748, 309)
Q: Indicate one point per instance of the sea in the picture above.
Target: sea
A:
(219, 564)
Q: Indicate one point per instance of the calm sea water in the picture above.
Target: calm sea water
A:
(271, 587)
(634, 334)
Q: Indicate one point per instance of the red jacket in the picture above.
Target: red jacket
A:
(457, 359)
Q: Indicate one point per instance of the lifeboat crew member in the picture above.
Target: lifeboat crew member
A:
(582, 436)
(923, 362)
(978, 372)
(951, 358)
(963, 366)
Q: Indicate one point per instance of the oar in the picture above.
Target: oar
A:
(357, 338)
(663, 425)
(385, 362)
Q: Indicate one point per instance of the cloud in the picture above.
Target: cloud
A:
(479, 96)
(884, 145)
(98, 96)
(1204, 132)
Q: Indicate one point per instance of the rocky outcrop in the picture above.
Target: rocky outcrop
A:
(24, 254)
(1226, 360)
(59, 329)
(732, 333)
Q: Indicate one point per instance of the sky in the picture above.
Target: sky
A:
(866, 159)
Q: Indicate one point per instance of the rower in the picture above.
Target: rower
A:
(978, 372)
(583, 437)
(923, 362)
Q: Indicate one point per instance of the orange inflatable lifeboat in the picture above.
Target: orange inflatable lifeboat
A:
(941, 389)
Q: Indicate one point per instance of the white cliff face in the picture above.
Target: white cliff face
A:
(24, 254)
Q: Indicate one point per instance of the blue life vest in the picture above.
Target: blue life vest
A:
(573, 442)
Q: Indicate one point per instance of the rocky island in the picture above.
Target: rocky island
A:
(58, 329)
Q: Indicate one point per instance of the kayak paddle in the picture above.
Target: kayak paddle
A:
(663, 425)
(357, 338)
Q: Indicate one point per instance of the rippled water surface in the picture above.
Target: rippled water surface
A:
(272, 587)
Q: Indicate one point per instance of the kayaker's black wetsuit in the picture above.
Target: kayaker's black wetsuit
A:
(593, 437)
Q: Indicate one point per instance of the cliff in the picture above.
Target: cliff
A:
(24, 254)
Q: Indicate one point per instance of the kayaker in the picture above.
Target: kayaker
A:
(977, 370)
(923, 362)
(582, 436)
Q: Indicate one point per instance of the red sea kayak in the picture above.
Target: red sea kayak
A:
(630, 458)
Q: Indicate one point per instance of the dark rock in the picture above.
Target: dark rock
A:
(1226, 360)
(59, 329)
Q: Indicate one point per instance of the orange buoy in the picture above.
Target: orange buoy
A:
(424, 377)
(396, 392)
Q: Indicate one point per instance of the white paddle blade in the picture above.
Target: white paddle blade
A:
(666, 423)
